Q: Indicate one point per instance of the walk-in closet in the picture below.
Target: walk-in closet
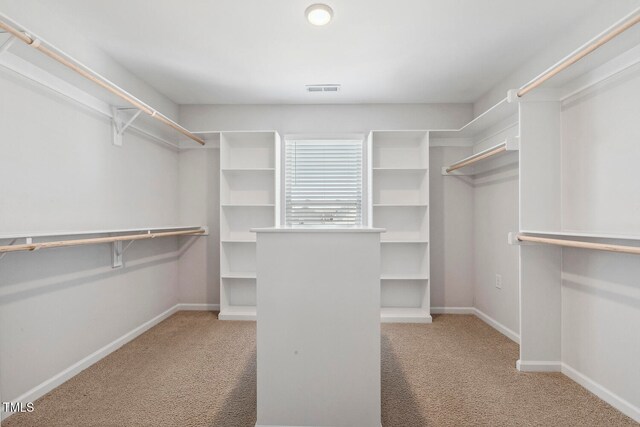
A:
(342, 214)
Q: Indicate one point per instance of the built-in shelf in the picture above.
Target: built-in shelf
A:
(248, 187)
(492, 116)
(398, 150)
(248, 151)
(509, 144)
(404, 315)
(405, 260)
(239, 218)
(249, 198)
(399, 192)
(403, 222)
(400, 187)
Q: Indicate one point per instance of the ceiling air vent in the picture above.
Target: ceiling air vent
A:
(323, 88)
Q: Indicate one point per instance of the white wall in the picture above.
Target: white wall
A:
(200, 204)
(471, 217)
(600, 318)
(199, 173)
(60, 171)
(600, 152)
(601, 193)
(495, 214)
(451, 234)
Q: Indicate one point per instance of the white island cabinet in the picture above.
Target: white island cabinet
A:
(318, 333)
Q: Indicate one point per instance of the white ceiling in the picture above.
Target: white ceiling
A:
(264, 51)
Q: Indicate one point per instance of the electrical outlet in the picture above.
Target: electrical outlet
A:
(499, 281)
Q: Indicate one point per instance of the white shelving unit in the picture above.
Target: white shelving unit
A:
(557, 200)
(399, 197)
(249, 198)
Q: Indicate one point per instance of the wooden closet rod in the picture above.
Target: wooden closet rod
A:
(582, 245)
(94, 241)
(595, 44)
(477, 157)
(36, 44)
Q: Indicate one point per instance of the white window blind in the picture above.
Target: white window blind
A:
(323, 182)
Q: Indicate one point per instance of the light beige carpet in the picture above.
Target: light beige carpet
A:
(194, 370)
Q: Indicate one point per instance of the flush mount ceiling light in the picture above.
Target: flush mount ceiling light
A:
(319, 14)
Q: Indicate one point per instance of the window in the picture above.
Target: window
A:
(323, 182)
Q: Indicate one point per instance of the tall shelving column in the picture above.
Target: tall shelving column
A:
(399, 200)
(249, 197)
(540, 209)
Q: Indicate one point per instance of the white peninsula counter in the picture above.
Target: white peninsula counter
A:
(318, 332)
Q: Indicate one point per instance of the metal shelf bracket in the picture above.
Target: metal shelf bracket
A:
(27, 241)
(117, 253)
(13, 242)
(119, 125)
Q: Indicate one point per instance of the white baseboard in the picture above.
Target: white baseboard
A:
(603, 393)
(53, 382)
(452, 310)
(198, 307)
(538, 366)
(512, 335)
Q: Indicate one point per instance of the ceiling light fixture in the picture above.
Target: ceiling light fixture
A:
(319, 14)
